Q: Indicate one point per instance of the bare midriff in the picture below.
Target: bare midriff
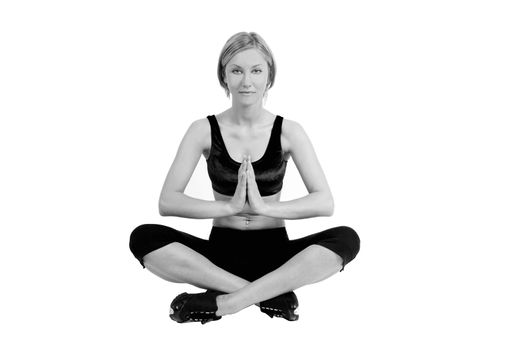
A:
(247, 219)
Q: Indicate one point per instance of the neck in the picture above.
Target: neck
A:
(248, 115)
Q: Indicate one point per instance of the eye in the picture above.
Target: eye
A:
(258, 71)
(235, 71)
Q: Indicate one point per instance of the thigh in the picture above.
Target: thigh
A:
(342, 240)
(149, 237)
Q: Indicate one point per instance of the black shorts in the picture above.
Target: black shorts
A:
(249, 254)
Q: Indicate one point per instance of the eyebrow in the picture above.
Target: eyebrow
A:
(260, 64)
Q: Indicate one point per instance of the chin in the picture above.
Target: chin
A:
(248, 101)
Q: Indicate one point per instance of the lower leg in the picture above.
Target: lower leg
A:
(178, 263)
(313, 264)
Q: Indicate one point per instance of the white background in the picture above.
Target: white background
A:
(414, 109)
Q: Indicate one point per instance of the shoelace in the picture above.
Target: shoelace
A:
(177, 312)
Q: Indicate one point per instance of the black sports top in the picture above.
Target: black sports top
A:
(269, 170)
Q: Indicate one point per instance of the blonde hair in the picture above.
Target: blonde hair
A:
(240, 42)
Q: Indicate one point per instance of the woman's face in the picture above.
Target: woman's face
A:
(247, 76)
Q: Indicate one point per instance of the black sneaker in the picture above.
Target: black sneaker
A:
(283, 305)
(200, 307)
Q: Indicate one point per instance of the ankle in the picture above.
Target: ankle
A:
(225, 305)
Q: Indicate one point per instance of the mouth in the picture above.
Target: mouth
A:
(246, 92)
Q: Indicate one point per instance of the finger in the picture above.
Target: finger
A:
(241, 185)
(246, 170)
(244, 179)
(242, 168)
(250, 165)
(250, 171)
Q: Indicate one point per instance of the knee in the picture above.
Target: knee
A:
(138, 236)
(349, 239)
(140, 231)
(348, 233)
(144, 237)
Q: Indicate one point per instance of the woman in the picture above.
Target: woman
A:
(248, 258)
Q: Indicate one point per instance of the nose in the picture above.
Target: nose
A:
(246, 81)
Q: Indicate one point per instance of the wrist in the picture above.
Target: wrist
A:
(232, 209)
(266, 209)
(229, 209)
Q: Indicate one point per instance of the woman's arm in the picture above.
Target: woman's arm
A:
(184, 206)
(312, 205)
(173, 201)
(319, 201)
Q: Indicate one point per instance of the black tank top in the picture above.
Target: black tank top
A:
(269, 170)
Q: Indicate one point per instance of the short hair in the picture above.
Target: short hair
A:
(240, 42)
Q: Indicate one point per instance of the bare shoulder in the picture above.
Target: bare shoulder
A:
(291, 131)
(200, 126)
(200, 131)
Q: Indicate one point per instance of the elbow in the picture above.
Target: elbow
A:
(165, 206)
(162, 207)
(169, 204)
(330, 208)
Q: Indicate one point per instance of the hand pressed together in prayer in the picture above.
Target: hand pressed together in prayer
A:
(247, 192)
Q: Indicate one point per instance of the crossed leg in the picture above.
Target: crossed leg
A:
(180, 264)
